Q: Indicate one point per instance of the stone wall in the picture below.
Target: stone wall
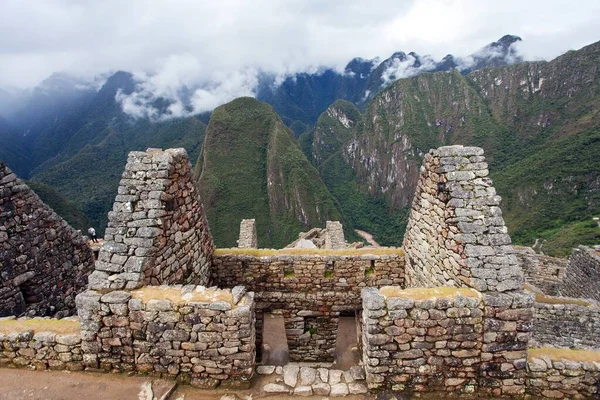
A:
(44, 262)
(310, 291)
(582, 277)
(40, 343)
(566, 323)
(446, 340)
(334, 235)
(543, 272)
(507, 329)
(422, 340)
(456, 235)
(563, 374)
(157, 231)
(202, 336)
(248, 238)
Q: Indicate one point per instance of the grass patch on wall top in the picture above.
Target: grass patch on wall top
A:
(379, 251)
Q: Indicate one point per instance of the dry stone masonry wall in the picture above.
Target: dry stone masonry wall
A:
(157, 231)
(41, 343)
(543, 272)
(44, 263)
(582, 274)
(310, 291)
(334, 235)
(456, 235)
(563, 374)
(202, 336)
(566, 323)
(446, 340)
(248, 238)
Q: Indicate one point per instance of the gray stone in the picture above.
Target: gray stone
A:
(116, 297)
(339, 390)
(303, 391)
(290, 375)
(357, 388)
(265, 369)
(321, 389)
(275, 388)
(237, 293)
(307, 376)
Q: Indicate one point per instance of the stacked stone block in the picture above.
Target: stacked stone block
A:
(456, 235)
(422, 340)
(543, 272)
(334, 235)
(566, 323)
(40, 348)
(44, 262)
(310, 291)
(507, 329)
(202, 336)
(157, 231)
(563, 377)
(248, 238)
(582, 274)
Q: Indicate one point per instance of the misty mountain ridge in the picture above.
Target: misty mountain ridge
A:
(299, 98)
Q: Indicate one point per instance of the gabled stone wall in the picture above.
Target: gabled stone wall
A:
(157, 230)
(44, 262)
(456, 235)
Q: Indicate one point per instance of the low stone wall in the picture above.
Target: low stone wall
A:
(40, 343)
(310, 291)
(582, 274)
(422, 340)
(456, 235)
(566, 323)
(446, 340)
(157, 231)
(543, 272)
(202, 336)
(44, 262)
(563, 374)
(507, 329)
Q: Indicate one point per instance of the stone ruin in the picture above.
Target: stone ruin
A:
(449, 313)
(44, 263)
(330, 237)
(248, 238)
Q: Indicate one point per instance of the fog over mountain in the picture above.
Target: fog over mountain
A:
(198, 55)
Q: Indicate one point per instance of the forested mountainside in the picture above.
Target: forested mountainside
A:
(251, 166)
(538, 122)
(301, 98)
(365, 132)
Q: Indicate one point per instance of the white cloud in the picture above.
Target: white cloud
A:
(214, 48)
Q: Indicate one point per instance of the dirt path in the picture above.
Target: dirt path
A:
(64, 385)
(368, 237)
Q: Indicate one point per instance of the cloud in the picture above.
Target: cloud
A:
(404, 68)
(210, 50)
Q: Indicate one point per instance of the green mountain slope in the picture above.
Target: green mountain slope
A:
(61, 205)
(539, 124)
(89, 178)
(251, 166)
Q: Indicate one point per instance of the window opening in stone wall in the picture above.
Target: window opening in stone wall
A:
(170, 205)
(328, 272)
(288, 271)
(370, 268)
(29, 293)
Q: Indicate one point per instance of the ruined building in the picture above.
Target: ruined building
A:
(451, 312)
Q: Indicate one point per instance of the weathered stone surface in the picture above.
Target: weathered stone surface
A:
(44, 262)
(290, 375)
(339, 390)
(275, 388)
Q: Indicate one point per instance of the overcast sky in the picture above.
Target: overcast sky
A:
(186, 42)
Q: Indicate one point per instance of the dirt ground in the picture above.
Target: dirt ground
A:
(17, 384)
